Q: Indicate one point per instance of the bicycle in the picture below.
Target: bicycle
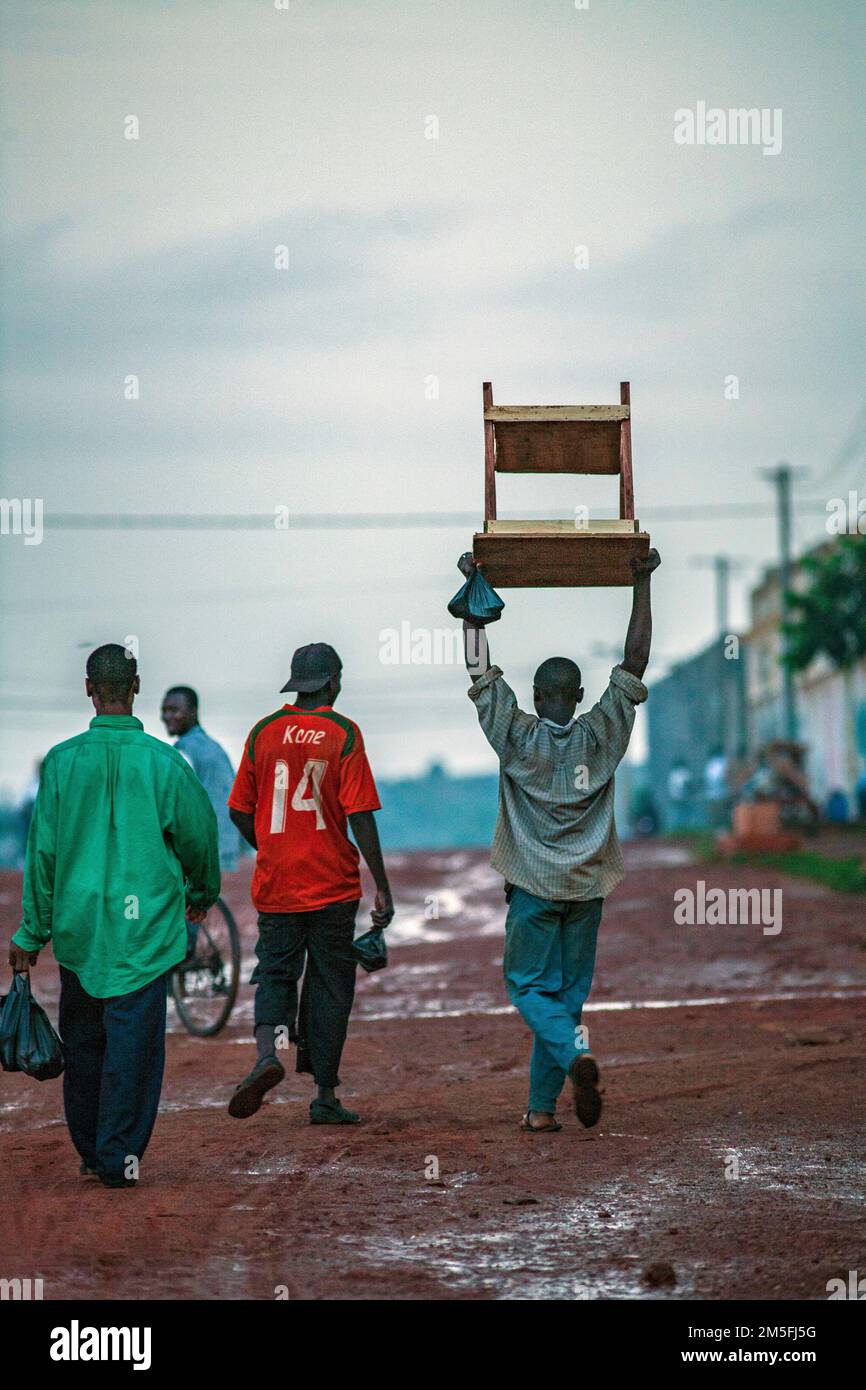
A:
(205, 985)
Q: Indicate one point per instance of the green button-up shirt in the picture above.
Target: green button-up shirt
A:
(120, 822)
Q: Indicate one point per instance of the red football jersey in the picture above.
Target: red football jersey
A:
(303, 772)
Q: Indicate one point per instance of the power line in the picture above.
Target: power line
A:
(850, 448)
(362, 521)
(253, 521)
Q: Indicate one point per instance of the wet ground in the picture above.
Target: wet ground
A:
(730, 1157)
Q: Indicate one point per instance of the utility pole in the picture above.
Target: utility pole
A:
(782, 477)
(722, 565)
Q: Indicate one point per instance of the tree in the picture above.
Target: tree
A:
(829, 617)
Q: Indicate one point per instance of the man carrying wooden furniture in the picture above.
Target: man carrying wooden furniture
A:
(556, 843)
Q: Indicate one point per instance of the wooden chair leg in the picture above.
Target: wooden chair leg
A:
(626, 484)
(489, 458)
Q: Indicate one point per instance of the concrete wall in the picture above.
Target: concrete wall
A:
(831, 708)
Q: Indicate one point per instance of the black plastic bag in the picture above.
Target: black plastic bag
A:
(28, 1043)
(477, 601)
(370, 950)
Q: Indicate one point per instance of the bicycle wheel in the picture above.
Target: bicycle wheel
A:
(204, 987)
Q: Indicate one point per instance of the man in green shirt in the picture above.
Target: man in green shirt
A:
(122, 848)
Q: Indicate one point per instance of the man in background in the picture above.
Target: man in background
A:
(120, 823)
(303, 778)
(680, 796)
(210, 763)
(716, 791)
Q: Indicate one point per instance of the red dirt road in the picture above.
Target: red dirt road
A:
(723, 1051)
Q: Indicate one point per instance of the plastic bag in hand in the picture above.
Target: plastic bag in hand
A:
(370, 950)
(477, 601)
(28, 1043)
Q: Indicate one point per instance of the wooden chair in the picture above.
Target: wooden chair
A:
(591, 439)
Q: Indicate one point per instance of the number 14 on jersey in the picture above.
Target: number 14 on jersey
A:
(307, 795)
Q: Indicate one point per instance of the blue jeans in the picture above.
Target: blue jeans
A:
(115, 1053)
(549, 960)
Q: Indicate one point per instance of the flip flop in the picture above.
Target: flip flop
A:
(538, 1129)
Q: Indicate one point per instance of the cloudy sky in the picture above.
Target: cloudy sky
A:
(410, 259)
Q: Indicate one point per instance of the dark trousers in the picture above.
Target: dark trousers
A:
(323, 938)
(115, 1055)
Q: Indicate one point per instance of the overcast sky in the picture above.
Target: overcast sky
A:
(409, 258)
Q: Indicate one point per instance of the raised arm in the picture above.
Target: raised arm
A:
(640, 627)
(476, 649)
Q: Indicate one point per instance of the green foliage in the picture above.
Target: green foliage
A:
(829, 617)
(842, 875)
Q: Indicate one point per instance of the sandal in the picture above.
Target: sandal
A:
(584, 1079)
(538, 1129)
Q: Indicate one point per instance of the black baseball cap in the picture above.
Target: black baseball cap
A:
(312, 667)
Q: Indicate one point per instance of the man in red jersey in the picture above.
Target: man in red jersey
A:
(304, 775)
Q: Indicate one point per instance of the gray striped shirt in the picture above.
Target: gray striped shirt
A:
(555, 833)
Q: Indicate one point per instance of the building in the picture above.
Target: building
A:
(830, 704)
(694, 712)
